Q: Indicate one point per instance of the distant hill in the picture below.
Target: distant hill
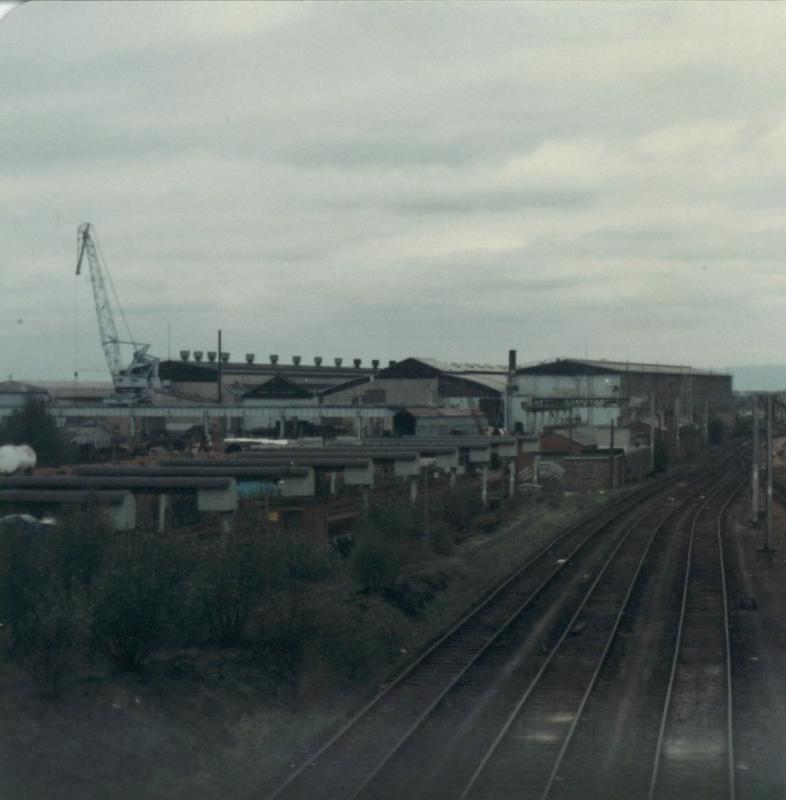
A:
(765, 377)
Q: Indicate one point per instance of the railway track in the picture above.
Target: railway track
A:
(360, 760)
(695, 750)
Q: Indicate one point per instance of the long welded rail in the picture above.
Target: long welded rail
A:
(342, 763)
(694, 756)
(545, 715)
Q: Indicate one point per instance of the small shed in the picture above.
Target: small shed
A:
(424, 421)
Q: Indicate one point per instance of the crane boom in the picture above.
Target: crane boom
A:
(107, 330)
(135, 381)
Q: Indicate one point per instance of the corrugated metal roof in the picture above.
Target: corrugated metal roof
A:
(461, 367)
(622, 366)
(426, 411)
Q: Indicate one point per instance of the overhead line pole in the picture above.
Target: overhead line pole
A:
(755, 463)
(768, 534)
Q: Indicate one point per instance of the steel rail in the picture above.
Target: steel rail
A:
(534, 684)
(498, 634)
(622, 506)
(667, 705)
(601, 662)
(601, 521)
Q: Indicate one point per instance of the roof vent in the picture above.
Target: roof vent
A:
(318, 360)
(250, 358)
(338, 361)
(184, 354)
(357, 362)
(211, 356)
(274, 359)
(375, 363)
(198, 355)
(225, 357)
(296, 360)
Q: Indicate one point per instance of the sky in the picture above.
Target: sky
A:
(380, 180)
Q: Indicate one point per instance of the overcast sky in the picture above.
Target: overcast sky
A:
(383, 180)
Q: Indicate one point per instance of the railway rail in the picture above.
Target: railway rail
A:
(361, 758)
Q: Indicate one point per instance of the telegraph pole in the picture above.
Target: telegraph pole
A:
(611, 456)
(652, 432)
(219, 367)
(755, 463)
(768, 534)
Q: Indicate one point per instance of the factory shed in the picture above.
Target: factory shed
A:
(277, 387)
(584, 392)
(429, 382)
(193, 379)
(117, 508)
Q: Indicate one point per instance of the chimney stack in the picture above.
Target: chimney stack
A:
(338, 361)
(375, 363)
(211, 356)
(318, 360)
(198, 355)
(357, 362)
(274, 359)
(296, 360)
(184, 354)
(250, 358)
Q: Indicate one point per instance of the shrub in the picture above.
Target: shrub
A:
(138, 596)
(376, 561)
(460, 508)
(441, 539)
(49, 639)
(234, 572)
(45, 602)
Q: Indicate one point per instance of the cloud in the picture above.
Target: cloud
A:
(376, 180)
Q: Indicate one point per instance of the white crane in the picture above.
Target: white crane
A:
(132, 383)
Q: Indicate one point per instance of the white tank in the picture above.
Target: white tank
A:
(15, 458)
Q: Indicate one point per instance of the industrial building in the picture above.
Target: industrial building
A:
(592, 393)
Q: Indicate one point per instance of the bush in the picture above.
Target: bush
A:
(441, 539)
(49, 640)
(138, 596)
(233, 574)
(376, 561)
(460, 508)
(239, 569)
(417, 585)
(45, 602)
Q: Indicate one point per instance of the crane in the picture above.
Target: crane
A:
(132, 383)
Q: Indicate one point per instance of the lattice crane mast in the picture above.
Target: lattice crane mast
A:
(135, 381)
